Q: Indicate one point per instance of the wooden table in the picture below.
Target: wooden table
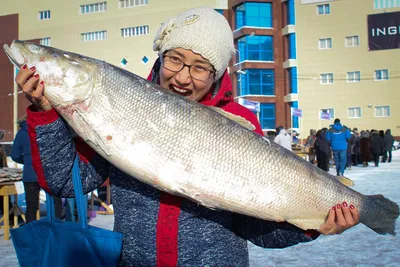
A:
(8, 189)
(301, 153)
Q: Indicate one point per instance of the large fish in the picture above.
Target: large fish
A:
(187, 149)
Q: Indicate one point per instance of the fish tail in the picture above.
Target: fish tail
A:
(381, 214)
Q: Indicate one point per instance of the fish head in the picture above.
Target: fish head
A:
(67, 76)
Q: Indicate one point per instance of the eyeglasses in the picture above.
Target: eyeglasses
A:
(197, 72)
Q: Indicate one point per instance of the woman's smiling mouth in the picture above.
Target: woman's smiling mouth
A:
(180, 90)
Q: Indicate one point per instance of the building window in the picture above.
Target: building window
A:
(267, 115)
(326, 78)
(325, 43)
(324, 9)
(254, 15)
(328, 112)
(132, 3)
(353, 76)
(44, 15)
(352, 41)
(45, 41)
(381, 75)
(257, 82)
(94, 36)
(386, 4)
(135, 31)
(382, 111)
(92, 8)
(354, 112)
(257, 48)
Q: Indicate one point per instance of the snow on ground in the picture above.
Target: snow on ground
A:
(358, 246)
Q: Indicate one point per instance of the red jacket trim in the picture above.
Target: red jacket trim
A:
(167, 230)
(35, 119)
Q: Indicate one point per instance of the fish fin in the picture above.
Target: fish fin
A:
(91, 136)
(238, 119)
(384, 211)
(346, 181)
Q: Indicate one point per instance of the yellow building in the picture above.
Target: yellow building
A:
(108, 30)
(120, 32)
(338, 73)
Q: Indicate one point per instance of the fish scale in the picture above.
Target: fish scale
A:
(187, 149)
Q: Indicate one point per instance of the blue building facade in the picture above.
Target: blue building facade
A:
(258, 70)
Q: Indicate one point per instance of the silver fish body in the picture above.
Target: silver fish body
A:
(187, 149)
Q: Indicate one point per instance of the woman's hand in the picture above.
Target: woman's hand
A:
(33, 88)
(340, 218)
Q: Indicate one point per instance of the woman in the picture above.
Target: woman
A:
(365, 148)
(310, 146)
(376, 147)
(158, 228)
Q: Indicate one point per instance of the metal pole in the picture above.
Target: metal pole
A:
(15, 108)
(240, 70)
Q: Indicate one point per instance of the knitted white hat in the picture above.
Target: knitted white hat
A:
(202, 30)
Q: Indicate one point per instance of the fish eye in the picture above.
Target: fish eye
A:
(34, 49)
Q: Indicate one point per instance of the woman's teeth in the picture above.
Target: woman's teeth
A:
(180, 90)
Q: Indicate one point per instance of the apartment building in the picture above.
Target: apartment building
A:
(348, 61)
(264, 68)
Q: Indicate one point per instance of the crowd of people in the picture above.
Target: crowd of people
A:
(341, 146)
(349, 147)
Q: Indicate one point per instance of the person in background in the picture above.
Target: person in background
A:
(355, 148)
(376, 147)
(322, 150)
(348, 152)
(338, 137)
(283, 138)
(365, 148)
(21, 153)
(388, 142)
(160, 229)
(310, 146)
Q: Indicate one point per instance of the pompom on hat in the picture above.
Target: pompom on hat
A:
(201, 30)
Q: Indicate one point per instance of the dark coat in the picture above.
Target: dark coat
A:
(21, 153)
(376, 144)
(388, 140)
(321, 145)
(365, 147)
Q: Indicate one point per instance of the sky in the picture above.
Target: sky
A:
(358, 246)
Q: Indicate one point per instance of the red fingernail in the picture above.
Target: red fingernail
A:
(32, 68)
(333, 208)
(352, 207)
(36, 75)
(42, 82)
(338, 206)
(24, 67)
(344, 204)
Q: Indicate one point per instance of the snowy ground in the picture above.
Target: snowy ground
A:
(358, 246)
